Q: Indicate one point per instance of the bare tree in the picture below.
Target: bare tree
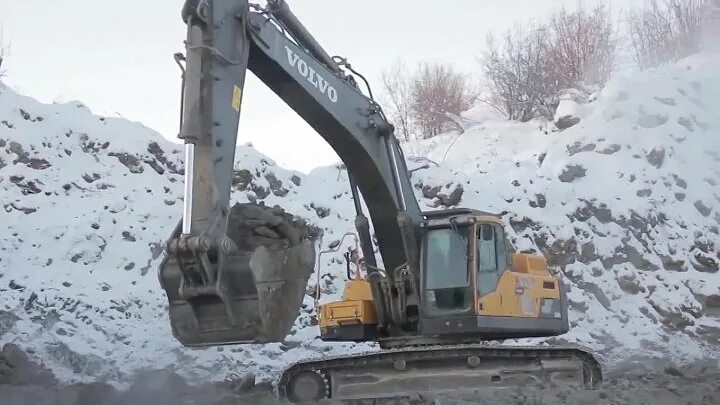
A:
(582, 46)
(396, 86)
(438, 95)
(3, 51)
(667, 31)
(517, 73)
(536, 62)
(711, 26)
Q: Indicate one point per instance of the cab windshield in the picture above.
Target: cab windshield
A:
(447, 276)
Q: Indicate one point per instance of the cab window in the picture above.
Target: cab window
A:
(491, 257)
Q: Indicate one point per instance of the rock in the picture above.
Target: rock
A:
(560, 253)
(275, 185)
(673, 319)
(702, 208)
(267, 232)
(650, 121)
(129, 161)
(277, 247)
(588, 253)
(241, 179)
(155, 150)
(430, 192)
(7, 321)
(704, 263)
(295, 179)
(680, 182)
(572, 172)
(630, 284)
(656, 156)
(24, 157)
(540, 201)
(686, 123)
(610, 149)
(88, 364)
(710, 303)
(321, 211)
(597, 292)
(578, 147)
(602, 214)
(666, 100)
(17, 369)
(541, 158)
(444, 195)
(628, 254)
(673, 265)
(566, 122)
(260, 191)
(451, 198)
(710, 334)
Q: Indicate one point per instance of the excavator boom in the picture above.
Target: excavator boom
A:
(228, 283)
(225, 39)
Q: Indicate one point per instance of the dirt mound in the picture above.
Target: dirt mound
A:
(253, 225)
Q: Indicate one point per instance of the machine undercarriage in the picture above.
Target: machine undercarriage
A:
(397, 373)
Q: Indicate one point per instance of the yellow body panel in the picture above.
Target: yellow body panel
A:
(519, 294)
(357, 290)
(487, 218)
(529, 264)
(355, 308)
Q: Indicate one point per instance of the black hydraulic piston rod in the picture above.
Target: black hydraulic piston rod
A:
(362, 225)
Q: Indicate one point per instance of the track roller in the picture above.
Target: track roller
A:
(308, 387)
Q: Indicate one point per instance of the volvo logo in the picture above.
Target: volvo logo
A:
(311, 75)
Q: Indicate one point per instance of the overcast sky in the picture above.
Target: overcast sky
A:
(116, 56)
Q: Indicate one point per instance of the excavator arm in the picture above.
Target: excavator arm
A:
(224, 288)
(215, 295)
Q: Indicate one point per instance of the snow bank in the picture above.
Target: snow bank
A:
(626, 204)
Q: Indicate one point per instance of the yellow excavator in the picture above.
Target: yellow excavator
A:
(447, 284)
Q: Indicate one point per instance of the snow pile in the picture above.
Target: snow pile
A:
(87, 204)
(626, 204)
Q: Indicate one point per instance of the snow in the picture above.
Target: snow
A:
(626, 203)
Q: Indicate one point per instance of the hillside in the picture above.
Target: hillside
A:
(625, 204)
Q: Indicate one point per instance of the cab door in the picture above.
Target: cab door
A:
(492, 276)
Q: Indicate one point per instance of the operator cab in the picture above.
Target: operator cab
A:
(448, 257)
(472, 282)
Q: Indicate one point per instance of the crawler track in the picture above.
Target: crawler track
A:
(399, 372)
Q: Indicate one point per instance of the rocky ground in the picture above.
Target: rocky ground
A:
(638, 381)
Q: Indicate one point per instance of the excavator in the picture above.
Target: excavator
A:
(447, 283)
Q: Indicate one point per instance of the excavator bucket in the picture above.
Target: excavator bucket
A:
(259, 286)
